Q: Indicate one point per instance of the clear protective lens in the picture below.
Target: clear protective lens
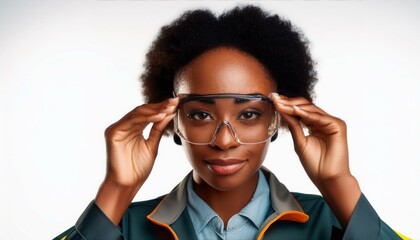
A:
(250, 118)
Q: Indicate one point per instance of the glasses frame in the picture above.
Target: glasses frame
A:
(183, 98)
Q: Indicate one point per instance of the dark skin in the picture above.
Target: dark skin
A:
(225, 73)
(323, 153)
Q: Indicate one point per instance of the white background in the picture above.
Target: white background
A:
(70, 69)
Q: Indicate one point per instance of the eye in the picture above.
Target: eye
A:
(249, 115)
(199, 115)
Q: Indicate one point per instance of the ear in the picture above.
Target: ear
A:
(273, 138)
(177, 139)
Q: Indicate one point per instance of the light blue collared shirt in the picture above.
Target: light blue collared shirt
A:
(243, 225)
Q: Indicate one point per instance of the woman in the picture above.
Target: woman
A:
(223, 86)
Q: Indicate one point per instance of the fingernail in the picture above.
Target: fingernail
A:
(274, 95)
(170, 108)
(172, 100)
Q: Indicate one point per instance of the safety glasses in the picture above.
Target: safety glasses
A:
(250, 118)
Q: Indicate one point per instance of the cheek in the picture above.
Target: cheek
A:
(258, 152)
(192, 152)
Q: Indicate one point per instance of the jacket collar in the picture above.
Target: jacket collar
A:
(283, 203)
(285, 206)
(282, 200)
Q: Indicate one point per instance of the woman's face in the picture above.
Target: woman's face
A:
(225, 164)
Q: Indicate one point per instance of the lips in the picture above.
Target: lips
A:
(225, 167)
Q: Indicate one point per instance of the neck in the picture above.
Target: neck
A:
(227, 203)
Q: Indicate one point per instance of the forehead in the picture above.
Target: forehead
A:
(224, 70)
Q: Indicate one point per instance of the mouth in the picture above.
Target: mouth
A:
(225, 167)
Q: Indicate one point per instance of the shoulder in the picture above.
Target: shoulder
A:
(137, 213)
(308, 201)
(314, 205)
(307, 198)
(144, 206)
(135, 223)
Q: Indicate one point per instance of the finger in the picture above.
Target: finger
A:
(170, 102)
(146, 114)
(294, 101)
(296, 130)
(157, 131)
(285, 105)
(288, 101)
(141, 120)
(127, 128)
(310, 107)
(308, 118)
(320, 123)
(168, 107)
(134, 122)
(282, 106)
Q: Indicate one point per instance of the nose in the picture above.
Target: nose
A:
(224, 137)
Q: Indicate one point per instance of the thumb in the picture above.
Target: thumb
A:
(156, 133)
(296, 130)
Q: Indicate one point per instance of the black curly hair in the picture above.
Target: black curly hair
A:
(278, 45)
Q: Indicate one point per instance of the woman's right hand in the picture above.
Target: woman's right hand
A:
(130, 156)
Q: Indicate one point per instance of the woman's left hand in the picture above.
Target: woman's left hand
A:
(323, 152)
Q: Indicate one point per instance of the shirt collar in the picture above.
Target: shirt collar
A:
(283, 203)
(255, 210)
(200, 212)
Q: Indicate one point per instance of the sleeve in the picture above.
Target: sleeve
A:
(366, 224)
(92, 224)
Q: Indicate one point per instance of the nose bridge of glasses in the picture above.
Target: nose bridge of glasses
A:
(221, 128)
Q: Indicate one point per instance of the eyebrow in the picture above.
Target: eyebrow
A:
(206, 100)
(241, 100)
(237, 100)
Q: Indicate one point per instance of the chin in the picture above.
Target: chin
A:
(223, 182)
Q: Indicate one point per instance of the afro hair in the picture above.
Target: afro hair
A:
(278, 45)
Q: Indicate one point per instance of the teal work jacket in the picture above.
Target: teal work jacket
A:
(292, 216)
